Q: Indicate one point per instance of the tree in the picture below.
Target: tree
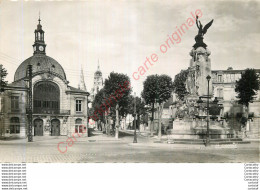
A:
(247, 87)
(140, 109)
(118, 88)
(3, 74)
(98, 106)
(179, 84)
(157, 89)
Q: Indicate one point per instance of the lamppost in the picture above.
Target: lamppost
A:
(29, 110)
(88, 101)
(135, 136)
(29, 102)
(207, 135)
(30, 116)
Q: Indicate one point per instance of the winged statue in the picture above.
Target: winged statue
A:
(203, 30)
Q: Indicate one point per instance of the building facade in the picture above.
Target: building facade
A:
(223, 83)
(58, 109)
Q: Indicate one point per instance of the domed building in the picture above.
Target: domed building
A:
(58, 109)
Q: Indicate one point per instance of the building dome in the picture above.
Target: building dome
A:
(40, 64)
(98, 73)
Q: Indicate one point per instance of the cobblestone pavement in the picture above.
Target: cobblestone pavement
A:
(100, 148)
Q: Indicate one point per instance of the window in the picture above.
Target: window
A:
(78, 105)
(14, 125)
(219, 78)
(78, 126)
(220, 93)
(39, 36)
(232, 77)
(14, 103)
(46, 98)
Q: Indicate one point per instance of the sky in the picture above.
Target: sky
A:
(121, 34)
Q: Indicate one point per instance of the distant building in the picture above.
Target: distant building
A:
(224, 82)
(58, 109)
(98, 82)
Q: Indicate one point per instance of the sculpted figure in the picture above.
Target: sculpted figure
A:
(203, 30)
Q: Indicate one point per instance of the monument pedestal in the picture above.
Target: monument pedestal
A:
(197, 129)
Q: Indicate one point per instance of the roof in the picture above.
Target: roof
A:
(76, 90)
(232, 71)
(40, 64)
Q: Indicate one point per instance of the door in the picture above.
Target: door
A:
(38, 127)
(55, 127)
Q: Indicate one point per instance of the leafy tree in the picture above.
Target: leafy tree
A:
(3, 74)
(118, 89)
(99, 106)
(157, 89)
(179, 84)
(140, 109)
(247, 87)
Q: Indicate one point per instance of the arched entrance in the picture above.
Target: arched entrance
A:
(46, 98)
(38, 127)
(55, 127)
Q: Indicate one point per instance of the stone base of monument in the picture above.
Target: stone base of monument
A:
(194, 132)
(197, 129)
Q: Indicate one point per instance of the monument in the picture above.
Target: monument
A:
(194, 118)
(200, 65)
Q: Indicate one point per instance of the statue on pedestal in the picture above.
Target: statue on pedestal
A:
(201, 32)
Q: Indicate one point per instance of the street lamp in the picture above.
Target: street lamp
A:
(88, 101)
(30, 136)
(207, 135)
(135, 136)
(29, 102)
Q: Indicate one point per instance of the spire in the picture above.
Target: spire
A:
(39, 17)
(98, 67)
(82, 85)
(39, 26)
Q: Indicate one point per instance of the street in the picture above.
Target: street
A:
(99, 148)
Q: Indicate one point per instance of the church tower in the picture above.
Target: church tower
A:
(39, 44)
(98, 81)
